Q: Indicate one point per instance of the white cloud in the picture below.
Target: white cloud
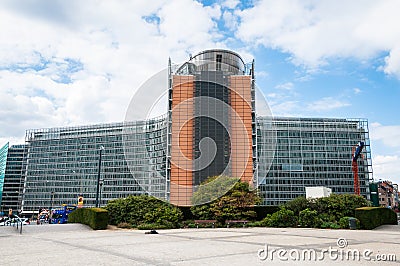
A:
(386, 141)
(230, 20)
(230, 3)
(392, 66)
(325, 104)
(389, 135)
(357, 90)
(285, 86)
(273, 95)
(386, 167)
(69, 63)
(284, 108)
(315, 31)
(261, 74)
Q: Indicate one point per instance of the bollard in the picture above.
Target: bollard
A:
(352, 223)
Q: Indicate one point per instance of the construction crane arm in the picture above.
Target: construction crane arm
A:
(356, 155)
(358, 151)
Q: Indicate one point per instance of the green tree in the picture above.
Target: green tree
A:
(281, 218)
(237, 203)
(213, 188)
(298, 204)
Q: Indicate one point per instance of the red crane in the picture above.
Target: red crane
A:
(356, 154)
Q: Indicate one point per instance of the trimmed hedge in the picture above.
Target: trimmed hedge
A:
(96, 218)
(371, 217)
(143, 209)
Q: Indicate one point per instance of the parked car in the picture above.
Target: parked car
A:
(7, 221)
(3, 221)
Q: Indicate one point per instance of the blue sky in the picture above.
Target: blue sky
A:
(76, 62)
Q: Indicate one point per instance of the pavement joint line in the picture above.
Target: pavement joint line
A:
(323, 245)
(227, 240)
(257, 234)
(222, 238)
(117, 254)
(351, 241)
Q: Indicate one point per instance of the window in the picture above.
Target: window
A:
(219, 61)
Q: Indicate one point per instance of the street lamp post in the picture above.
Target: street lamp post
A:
(101, 188)
(98, 178)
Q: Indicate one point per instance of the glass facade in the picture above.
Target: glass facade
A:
(211, 84)
(14, 177)
(313, 152)
(62, 163)
(3, 161)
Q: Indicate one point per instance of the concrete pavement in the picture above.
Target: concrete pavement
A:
(74, 244)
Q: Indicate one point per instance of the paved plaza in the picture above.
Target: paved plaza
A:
(75, 244)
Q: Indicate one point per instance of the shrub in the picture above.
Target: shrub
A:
(96, 218)
(371, 217)
(309, 218)
(188, 224)
(152, 226)
(255, 224)
(137, 210)
(329, 225)
(281, 218)
(298, 204)
(319, 213)
(226, 209)
(326, 217)
(203, 212)
(263, 211)
(187, 213)
(339, 205)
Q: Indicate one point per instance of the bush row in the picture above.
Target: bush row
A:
(96, 218)
(306, 218)
(328, 212)
(143, 212)
(371, 217)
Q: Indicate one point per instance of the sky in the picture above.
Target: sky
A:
(68, 63)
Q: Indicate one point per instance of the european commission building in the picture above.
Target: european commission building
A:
(211, 112)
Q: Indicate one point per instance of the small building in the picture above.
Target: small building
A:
(388, 194)
(318, 192)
